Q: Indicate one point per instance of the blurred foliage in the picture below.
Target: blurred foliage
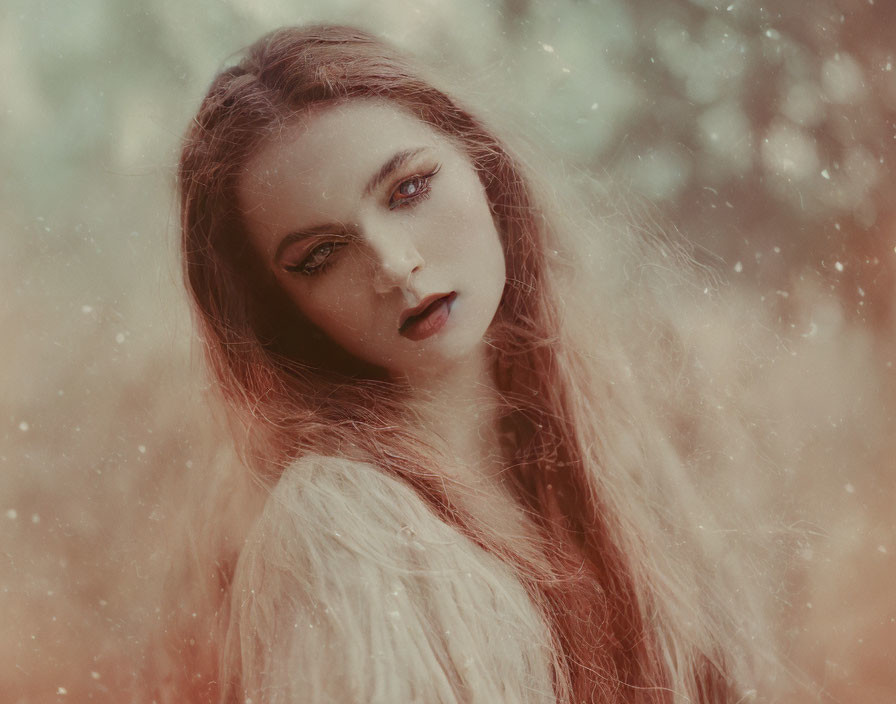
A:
(764, 131)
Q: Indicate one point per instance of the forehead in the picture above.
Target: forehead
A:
(340, 141)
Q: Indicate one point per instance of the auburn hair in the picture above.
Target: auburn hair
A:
(630, 598)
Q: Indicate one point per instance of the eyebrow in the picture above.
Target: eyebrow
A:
(397, 160)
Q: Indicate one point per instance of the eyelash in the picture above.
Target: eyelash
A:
(303, 268)
(423, 192)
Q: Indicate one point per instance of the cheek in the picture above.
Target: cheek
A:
(465, 229)
(337, 306)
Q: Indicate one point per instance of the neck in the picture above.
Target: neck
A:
(458, 407)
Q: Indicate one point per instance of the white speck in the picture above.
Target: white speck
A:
(889, 66)
(594, 106)
(565, 70)
(782, 294)
(12, 514)
(189, 464)
(837, 226)
(85, 309)
(730, 8)
(861, 292)
(773, 34)
(850, 489)
(62, 690)
(23, 426)
(826, 174)
(35, 518)
(95, 675)
(776, 250)
(394, 614)
(838, 266)
(141, 449)
(706, 290)
(738, 267)
(119, 338)
(808, 604)
(548, 48)
(882, 549)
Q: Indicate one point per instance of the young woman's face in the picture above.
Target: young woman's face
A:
(378, 229)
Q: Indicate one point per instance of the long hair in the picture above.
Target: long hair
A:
(631, 600)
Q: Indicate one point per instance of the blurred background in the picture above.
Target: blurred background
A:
(763, 131)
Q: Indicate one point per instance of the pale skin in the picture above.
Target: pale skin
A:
(361, 212)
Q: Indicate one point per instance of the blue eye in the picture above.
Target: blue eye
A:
(416, 188)
(317, 260)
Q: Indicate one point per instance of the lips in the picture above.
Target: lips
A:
(428, 318)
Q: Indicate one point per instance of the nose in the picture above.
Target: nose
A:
(396, 260)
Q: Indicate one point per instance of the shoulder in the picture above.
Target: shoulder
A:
(326, 485)
(348, 505)
(333, 524)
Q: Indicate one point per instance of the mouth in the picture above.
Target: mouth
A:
(428, 318)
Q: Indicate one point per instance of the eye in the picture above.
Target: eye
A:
(317, 259)
(415, 188)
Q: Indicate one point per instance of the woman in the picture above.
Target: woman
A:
(477, 476)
